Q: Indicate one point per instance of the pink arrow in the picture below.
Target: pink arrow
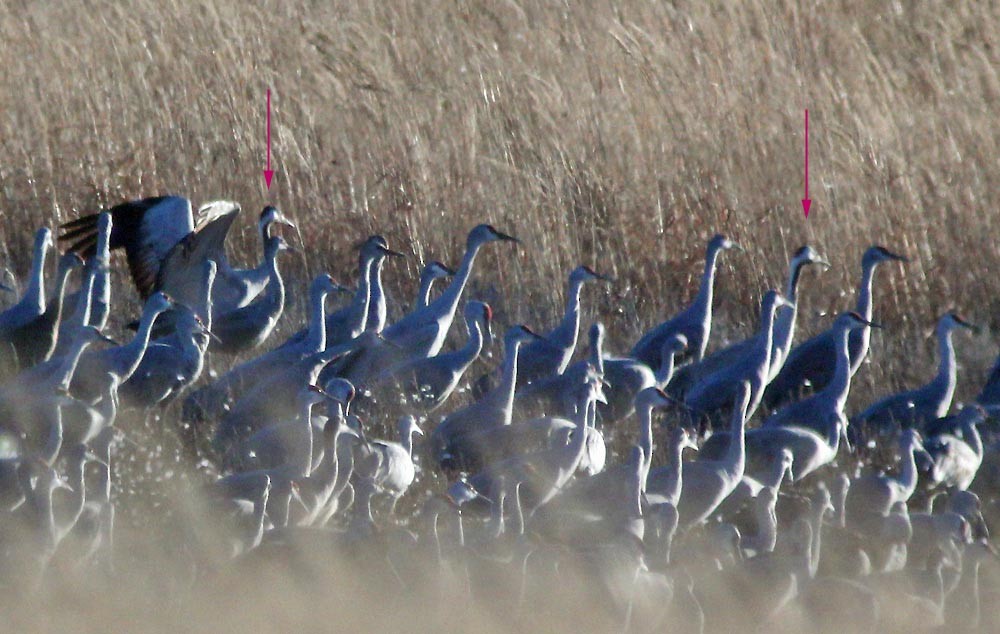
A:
(268, 172)
(806, 201)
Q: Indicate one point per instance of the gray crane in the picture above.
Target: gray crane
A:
(431, 272)
(875, 494)
(783, 332)
(423, 332)
(811, 412)
(97, 368)
(919, 406)
(35, 341)
(427, 382)
(810, 360)
(557, 394)
(493, 410)
(694, 322)
(209, 401)
(706, 483)
(235, 288)
(625, 378)
(32, 302)
(956, 457)
(164, 242)
(246, 328)
(396, 470)
(552, 353)
(714, 391)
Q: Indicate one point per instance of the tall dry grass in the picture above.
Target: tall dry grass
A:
(620, 134)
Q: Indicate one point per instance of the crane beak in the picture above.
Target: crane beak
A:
(506, 237)
(107, 339)
(824, 263)
(875, 324)
(4, 287)
(394, 254)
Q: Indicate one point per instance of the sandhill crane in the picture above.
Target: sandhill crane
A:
(429, 381)
(557, 394)
(694, 322)
(431, 272)
(783, 332)
(493, 410)
(875, 494)
(809, 361)
(247, 327)
(235, 288)
(422, 332)
(706, 483)
(97, 368)
(35, 341)
(625, 378)
(811, 447)
(396, 471)
(32, 303)
(553, 352)
(811, 412)
(956, 459)
(918, 407)
(664, 484)
(165, 243)
(714, 391)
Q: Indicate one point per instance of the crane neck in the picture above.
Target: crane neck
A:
(676, 471)
(838, 388)
(474, 345)
(377, 308)
(704, 300)
(79, 495)
(54, 441)
(34, 295)
(794, 275)
(133, 351)
(568, 330)
(946, 377)
(645, 416)
(447, 301)
(305, 416)
(970, 434)
(406, 441)
(767, 526)
(81, 316)
(767, 326)
(665, 372)
(64, 373)
(362, 297)
(907, 478)
(424, 292)
(316, 336)
(596, 358)
(505, 390)
(864, 303)
(736, 453)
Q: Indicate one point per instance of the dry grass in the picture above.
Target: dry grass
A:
(621, 134)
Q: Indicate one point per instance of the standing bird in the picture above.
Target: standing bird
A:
(809, 361)
(35, 341)
(235, 288)
(428, 382)
(422, 332)
(100, 368)
(811, 412)
(246, 328)
(32, 303)
(694, 322)
(705, 484)
(874, 495)
(165, 244)
(552, 353)
(714, 391)
(493, 410)
(956, 459)
(922, 405)
(395, 472)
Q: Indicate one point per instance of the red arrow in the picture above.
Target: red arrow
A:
(806, 201)
(268, 172)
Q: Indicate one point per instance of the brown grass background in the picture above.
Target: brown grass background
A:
(619, 134)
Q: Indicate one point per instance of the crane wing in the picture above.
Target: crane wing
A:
(181, 274)
(148, 229)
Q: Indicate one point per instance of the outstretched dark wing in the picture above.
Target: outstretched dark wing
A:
(181, 273)
(147, 229)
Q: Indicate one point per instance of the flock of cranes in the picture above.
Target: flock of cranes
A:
(794, 512)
